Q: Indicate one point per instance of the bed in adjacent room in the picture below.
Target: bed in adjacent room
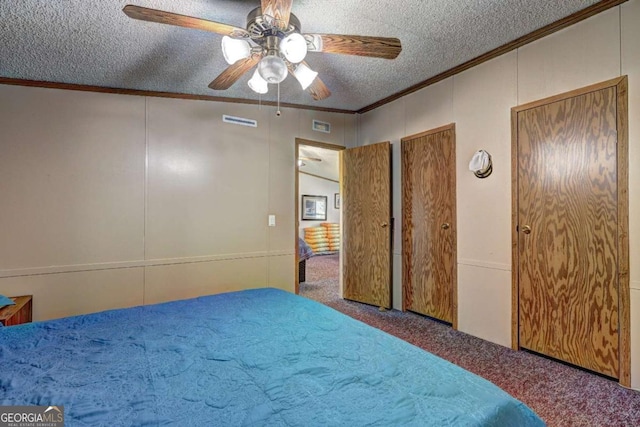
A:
(260, 357)
(304, 253)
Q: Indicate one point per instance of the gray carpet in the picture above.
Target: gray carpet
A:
(560, 394)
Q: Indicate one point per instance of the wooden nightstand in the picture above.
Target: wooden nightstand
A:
(18, 313)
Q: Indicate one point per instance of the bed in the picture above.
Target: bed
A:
(260, 357)
(304, 253)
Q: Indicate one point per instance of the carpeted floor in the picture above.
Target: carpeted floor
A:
(561, 395)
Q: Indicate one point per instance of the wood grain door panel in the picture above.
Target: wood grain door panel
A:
(567, 241)
(429, 223)
(366, 221)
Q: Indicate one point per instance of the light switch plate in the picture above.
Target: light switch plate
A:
(272, 220)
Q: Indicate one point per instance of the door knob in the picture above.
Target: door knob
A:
(445, 226)
(384, 224)
(526, 229)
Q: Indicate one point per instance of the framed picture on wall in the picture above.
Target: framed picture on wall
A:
(314, 208)
(336, 200)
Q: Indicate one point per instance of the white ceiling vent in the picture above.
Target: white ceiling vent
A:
(239, 121)
(319, 126)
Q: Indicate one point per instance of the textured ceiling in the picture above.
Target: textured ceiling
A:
(93, 42)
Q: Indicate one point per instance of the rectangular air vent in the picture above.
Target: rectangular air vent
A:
(319, 126)
(239, 121)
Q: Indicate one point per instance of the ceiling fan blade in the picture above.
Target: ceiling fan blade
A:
(318, 90)
(153, 15)
(231, 75)
(376, 47)
(279, 10)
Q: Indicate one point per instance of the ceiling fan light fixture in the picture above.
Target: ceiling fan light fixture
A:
(294, 47)
(235, 50)
(304, 75)
(268, 26)
(272, 69)
(258, 84)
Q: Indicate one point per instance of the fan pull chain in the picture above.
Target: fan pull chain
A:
(278, 113)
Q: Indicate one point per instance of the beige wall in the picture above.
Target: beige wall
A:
(112, 201)
(479, 102)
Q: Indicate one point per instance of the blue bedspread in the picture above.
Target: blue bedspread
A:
(253, 358)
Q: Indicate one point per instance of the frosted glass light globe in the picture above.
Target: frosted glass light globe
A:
(234, 50)
(258, 84)
(305, 75)
(273, 69)
(294, 47)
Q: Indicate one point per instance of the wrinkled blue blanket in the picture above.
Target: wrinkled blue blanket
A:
(253, 358)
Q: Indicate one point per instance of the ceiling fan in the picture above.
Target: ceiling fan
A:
(302, 159)
(274, 42)
(310, 159)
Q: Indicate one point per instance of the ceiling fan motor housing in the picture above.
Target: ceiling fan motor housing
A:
(262, 26)
(265, 33)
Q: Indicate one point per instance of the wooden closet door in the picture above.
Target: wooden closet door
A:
(567, 230)
(366, 223)
(429, 223)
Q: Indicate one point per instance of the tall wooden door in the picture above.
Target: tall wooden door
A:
(366, 222)
(568, 255)
(429, 223)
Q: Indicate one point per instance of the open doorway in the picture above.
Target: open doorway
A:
(318, 232)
